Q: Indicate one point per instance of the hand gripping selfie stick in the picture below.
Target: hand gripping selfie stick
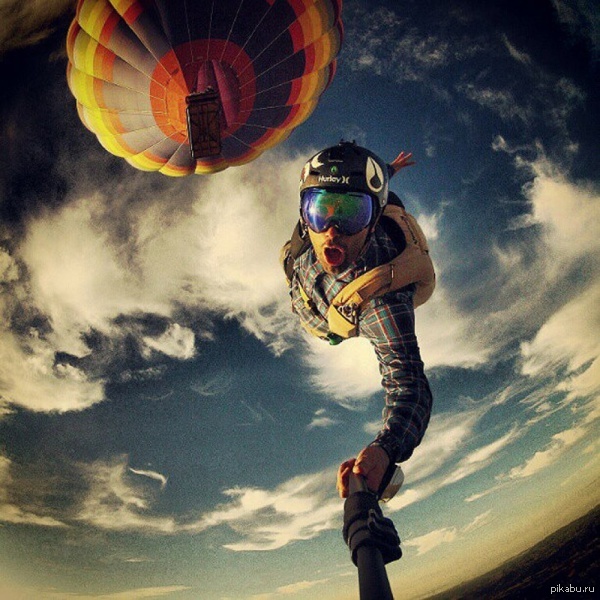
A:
(372, 539)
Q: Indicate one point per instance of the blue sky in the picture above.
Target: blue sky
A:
(166, 431)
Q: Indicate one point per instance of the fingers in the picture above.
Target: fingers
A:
(372, 463)
(401, 161)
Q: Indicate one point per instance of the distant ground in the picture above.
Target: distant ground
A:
(566, 562)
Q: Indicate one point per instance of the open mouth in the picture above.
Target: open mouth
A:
(334, 256)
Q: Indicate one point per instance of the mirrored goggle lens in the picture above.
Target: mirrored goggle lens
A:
(350, 212)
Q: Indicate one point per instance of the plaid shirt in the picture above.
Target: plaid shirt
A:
(388, 323)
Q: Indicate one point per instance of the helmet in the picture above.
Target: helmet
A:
(348, 167)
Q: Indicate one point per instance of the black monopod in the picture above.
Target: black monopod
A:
(372, 539)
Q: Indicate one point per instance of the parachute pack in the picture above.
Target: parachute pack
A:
(412, 265)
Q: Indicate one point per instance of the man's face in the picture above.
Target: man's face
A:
(335, 251)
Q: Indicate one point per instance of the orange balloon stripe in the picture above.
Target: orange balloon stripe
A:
(130, 86)
(130, 10)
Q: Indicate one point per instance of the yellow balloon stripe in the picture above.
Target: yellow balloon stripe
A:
(130, 84)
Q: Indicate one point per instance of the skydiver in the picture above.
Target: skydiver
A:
(342, 233)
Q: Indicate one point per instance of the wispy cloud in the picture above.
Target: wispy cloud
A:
(447, 435)
(427, 542)
(129, 594)
(114, 502)
(30, 376)
(347, 373)
(298, 509)
(321, 420)
(176, 342)
(28, 23)
(214, 384)
(518, 55)
(10, 512)
(447, 535)
(151, 475)
(582, 19)
(555, 450)
(560, 443)
(480, 458)
(290, 589)
(569, 335)
(499, 101)
(392, 45)
(75, 275)
(447, 456)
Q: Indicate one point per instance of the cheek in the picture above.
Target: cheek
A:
(356, 245)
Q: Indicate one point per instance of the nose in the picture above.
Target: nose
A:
(332, 231)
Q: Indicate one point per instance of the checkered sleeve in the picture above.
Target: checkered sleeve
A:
(388, 323)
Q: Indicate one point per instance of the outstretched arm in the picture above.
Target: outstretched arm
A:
(390, 328)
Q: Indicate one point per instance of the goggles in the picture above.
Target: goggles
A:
(349, 212)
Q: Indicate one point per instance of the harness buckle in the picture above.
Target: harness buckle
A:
(349, 312)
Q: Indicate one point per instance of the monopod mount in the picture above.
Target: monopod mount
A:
(372, 539)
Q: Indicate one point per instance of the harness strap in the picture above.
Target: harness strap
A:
(413, 265)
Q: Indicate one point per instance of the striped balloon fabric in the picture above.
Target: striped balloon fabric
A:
(196, 86)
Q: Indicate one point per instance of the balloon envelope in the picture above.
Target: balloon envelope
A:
(239, 75)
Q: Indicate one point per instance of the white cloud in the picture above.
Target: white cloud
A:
(560, 245)
(176, 342)
(446, 435)
(582, 19)
(347, 373)
(114, 503)
(30, 377)
(321, 420)
(11, 513)
(300, 586)
(569, 214)
(433, 539)
(298, 509)
(519, 56)
(151, 475)
(27, 23)
(447, 336)
(77, 277)
(559, 445)
(479, 521)
(569, 336)
(290, 589)
(9, 271)
(480, 458)
(446, 535)
(216, 255)
(130, 594)
(442, 460)
(561, 442)
(499, 101)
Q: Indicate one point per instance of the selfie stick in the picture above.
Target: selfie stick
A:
(372, 539)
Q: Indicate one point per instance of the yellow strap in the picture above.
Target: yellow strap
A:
(413, 265)
(307, 301)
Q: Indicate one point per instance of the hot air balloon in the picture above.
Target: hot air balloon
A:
(196, 86)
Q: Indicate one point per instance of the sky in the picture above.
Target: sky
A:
(167, 430)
